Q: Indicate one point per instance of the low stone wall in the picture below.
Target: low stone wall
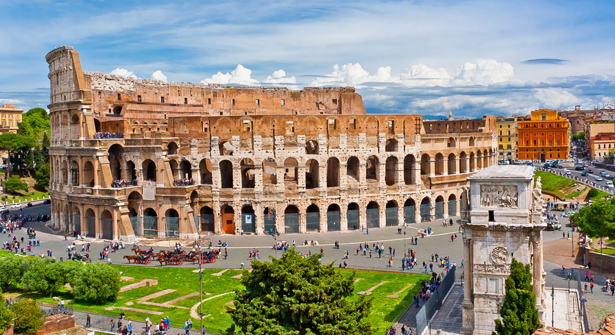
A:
(57, 323)
(608, 261)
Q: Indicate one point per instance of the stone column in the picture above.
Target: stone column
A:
(237, 218)
(217, 217)
(237, 178)
(537, 272)
(417, 174)
(98, 223)
(432, 210)
(445, 166)
(196, 175)
(324, 224)
(445, 208)
(382, 210)
(401, 182)
(401, 219)
(362, 216)
(468, 284)
(432, 167)
(302, 222)
(216, 179)
(417, 212)
(362, 173)
(139, 175)
(343, 175)
(382, 169)
(96, 172)
(301, 178)
(344, 217)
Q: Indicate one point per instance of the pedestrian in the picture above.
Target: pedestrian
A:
(366, 231)
(87, 321)
(112, 325)
(452, 238)
(591, 278)
(589, 265)
(586, 275)
(416, 301)
(591, 287)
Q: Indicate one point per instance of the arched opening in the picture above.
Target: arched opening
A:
(291, 219)
(247, 173)
(107, 225)
(205, 170)
(425, 209)
(425, 166)
(311, 147)
(226, 175)
(74, 172)
(452, 164)
(149, 170)
(186, 170)
(90, 218)
(65, 173)
(409, 211)
(134, 202)
(311, 174)
(174, 169)
(312, 218)
(194, 200)
(248, 219)
(439, 207)
(269, 172)
(372, 168)
(391, 145)
(75, 119)
(172, 148)
(409, 167)
(97, 125)
(171, 227)
(77, 220)
(391, 213)
(472, 162)
(150, 222)
(353, 216)
(117, 110)
(291, 170)
(333, 172)
(228, 219)
(463, 162)
(452, 205)
(207, 219)
(373, 215)
(131, 172)
(226, 148)
(451, 143)
(333, 218)
(352, 170)
(269, 220)
(485, 158)
(471, 141)
(391, 175)
(115, 159)
(479, 160)
(439, 164)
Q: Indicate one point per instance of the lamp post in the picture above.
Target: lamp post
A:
(201, 285)
(405, 249)
(572, 241)
(601, 255)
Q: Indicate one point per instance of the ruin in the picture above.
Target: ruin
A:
(136, 157)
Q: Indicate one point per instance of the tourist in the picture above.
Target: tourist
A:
(112, 325)
(88, 319)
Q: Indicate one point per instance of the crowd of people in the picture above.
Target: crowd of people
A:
(183, 182)
(105, 135)
(124, 183)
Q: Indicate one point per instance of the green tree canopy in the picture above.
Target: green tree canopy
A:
(42, 176)
(95, 282)
(15, 142)
(29, 318)
(43, 275)
(10, 271)
(519, 313)
(15, 184)
(293, 295)
(598, 219)
(35, 123)
(6, 315)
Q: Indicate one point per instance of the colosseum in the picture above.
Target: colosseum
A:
(136, 157)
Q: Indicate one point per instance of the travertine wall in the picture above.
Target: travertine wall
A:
(287, 168)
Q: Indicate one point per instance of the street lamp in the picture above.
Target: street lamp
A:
(201, 283)
(572, 241)
(601, 255)
(405, 249)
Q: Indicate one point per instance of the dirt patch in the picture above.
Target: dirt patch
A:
(144, 282)
(156, 295)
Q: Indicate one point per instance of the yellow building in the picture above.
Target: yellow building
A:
(601, 146)
(544, 137)
(597, 139)
(10, 119)
(506, 127)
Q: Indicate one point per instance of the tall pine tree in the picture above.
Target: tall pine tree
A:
(519, 313)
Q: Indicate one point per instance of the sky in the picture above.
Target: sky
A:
(428, 57)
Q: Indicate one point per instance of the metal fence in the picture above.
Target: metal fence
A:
(171, 227)
(247, 223)
(207, 222)
(333, 221)
(452, 208)
(439, 209)
(150, 226)
(291, 223)
(391, 216)
(431, 306)
(582, 308)
(107, 228)
(77, 221)
(425, 212)
(137, 226)
(409, 214)
(312, 221)
(269, 221)
(91, 226)
(352, 215)
(373, 217)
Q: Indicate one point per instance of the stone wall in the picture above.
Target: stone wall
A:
(56, 323)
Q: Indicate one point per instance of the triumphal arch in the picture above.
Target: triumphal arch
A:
(138, 157)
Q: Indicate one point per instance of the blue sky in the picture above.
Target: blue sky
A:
(425, 57)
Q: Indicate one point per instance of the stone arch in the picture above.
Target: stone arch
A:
(352, 169)
(333, 172)
(373, 214)
(333, 218)
(76, 213)
(439, 164)
(149, 170)
(174, 169)
(206, 172)
(353, 216)
(172, 148)
(90, 218)
(65, 173)
(269, 216)
(106, 220)
(425, 209)
(409, 168)
(425, 165)
(186, 170)
(247, 173)
(392, 211)
(248, 219)
(485, 158)
(228, 219)
(311, 147)
(471, 141)
(291, 173)
(226, 148)
(451, 143)
(463, 162)
(472, 161)
(131, 172)
(74, 172)
(97, 126)
(391, 175)
(171, 227)
(291, 219)
(226, 174)
(194, 199)
(452, 205)
(311, 174)
(312, 218)
(479, 160)
(452, 164)
(116, 152)
(391, 145)
(372, 168)
(270, 176)
(410, 211)
(75, 119)
(207, 219)
(439, 207)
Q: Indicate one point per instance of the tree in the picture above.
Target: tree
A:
(18, 146)
(34, 124)
(598, 219)
(97, 283)
(519, 313)
(43, 275)
(29, 318)
(15, 184)
(42, 176)
(6, 315)
(10, 271)
(72, 270)
(293, 295)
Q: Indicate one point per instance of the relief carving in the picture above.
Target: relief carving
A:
(499, 196)
(499, 255)
(537, 196)
(491, 268)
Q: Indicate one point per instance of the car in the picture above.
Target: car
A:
(554, 225)
(579, 168)
(570, 213)
(568, 173)
(609, 184)
(17, 205)
(602, 173)
(29, 204)
(590, 170)
(598, 178)
(606, 175)
(584, 174)
(47, 201)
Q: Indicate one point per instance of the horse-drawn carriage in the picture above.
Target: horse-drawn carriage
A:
(80, 257)
(139, 259)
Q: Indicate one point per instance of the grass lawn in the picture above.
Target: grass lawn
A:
(553, 183)
(384, 310)
(606, 251)
(599, 195)
(27, 196)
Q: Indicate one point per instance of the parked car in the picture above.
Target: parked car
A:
(29, 204)
(17, 205)
(598, 178)
(584, 174)
(554, 225)
(590, 170)
(47, 201)
(609, 184)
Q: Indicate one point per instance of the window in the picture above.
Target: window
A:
(557, 134)
(527, 134)
(233, 102)
(501, 147)
(500, 139)
(544, 117)
(508, 126)
(535, 134)
(550, 134)
(491, 216)
(543, 142)
(162, 100)
(550, 142)
(598, 146)
(257, 102)
(209, 101)
(500, 126)
(500, 133)
(509, 132)
(139, 98)
(119, 96)
(185, 101)
(335, 101)
(509, 139)
(509, 147)
(527, 143)
(221, 113)
(534, 142)
(282, 102)
(558, 143)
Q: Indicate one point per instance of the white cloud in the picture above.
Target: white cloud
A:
(11, 102)
(484, 72)
(555, 97)
(241, 75)
(279, 77)
(158, 75)
(422, 75)
(353, 75)
(124, 73)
